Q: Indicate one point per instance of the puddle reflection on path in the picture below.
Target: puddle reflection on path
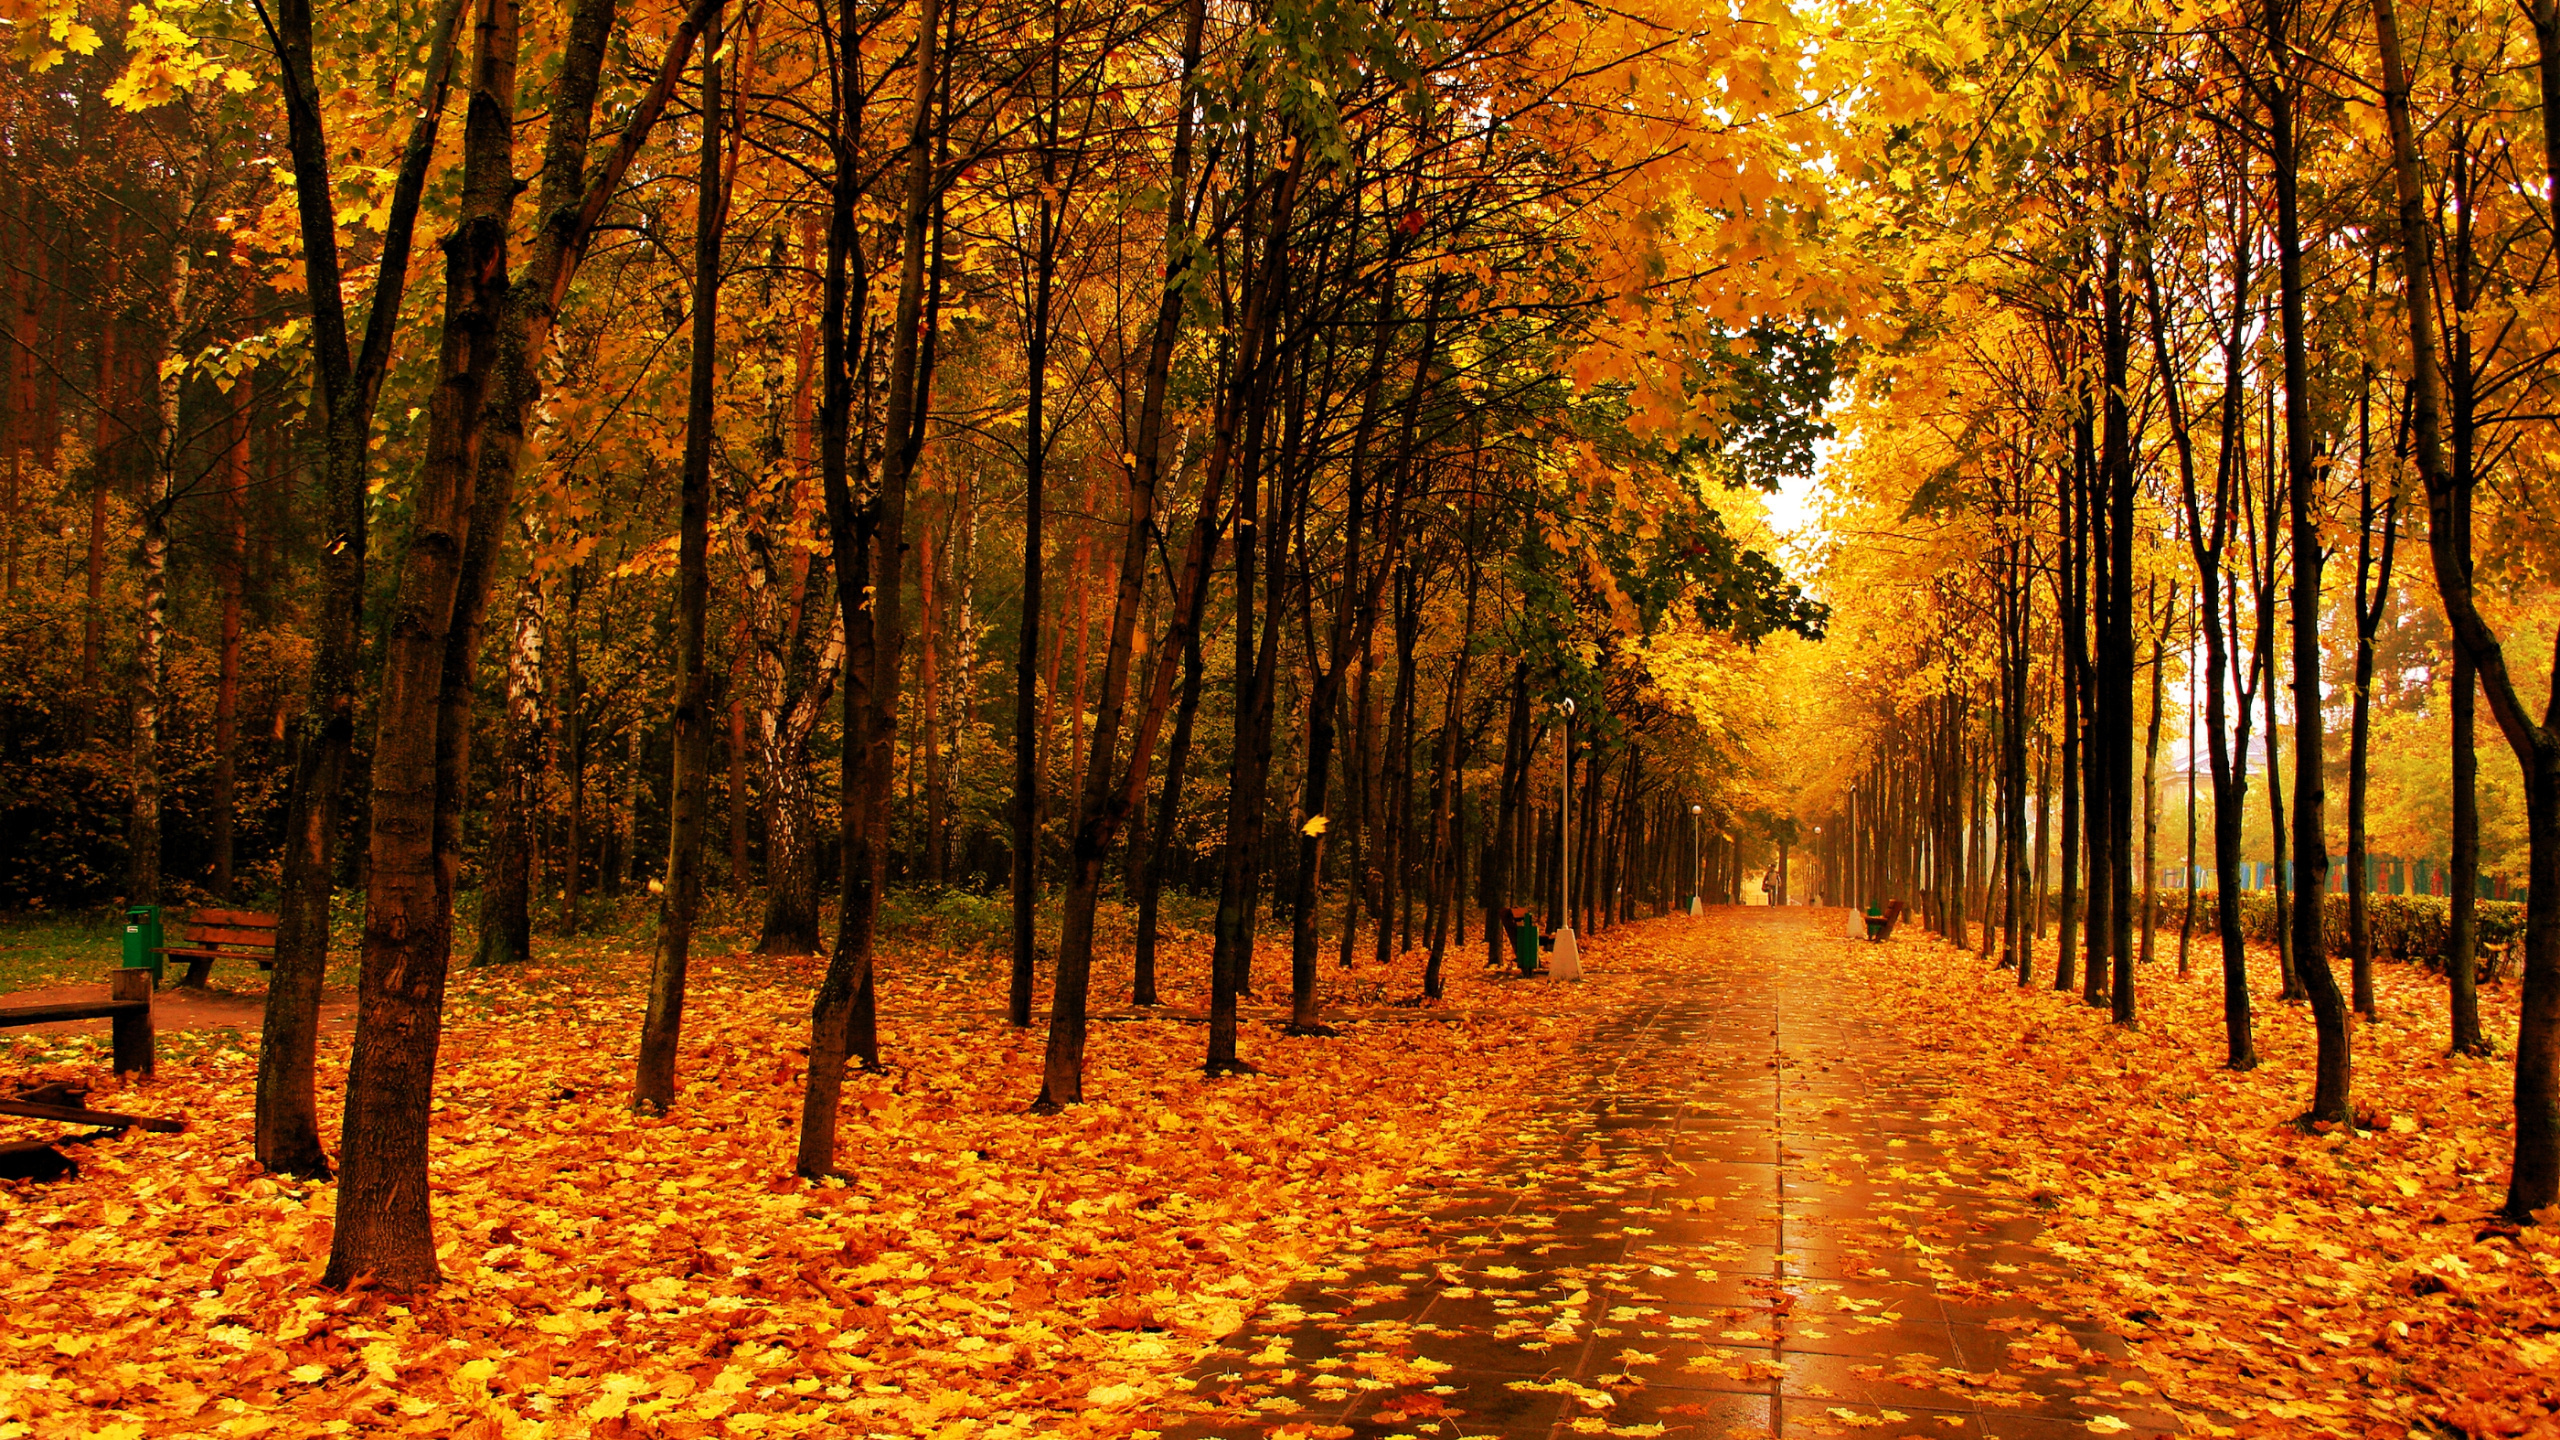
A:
(1733, 1218)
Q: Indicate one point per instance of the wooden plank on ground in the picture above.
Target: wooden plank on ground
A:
(69, 1010)
(82, 1115)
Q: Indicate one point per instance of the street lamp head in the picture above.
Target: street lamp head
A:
(1565, 706)
(1697, 809)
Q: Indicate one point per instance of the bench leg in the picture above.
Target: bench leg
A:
(134, 1039)
(197, 970)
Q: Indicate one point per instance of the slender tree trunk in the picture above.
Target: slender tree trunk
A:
(2150, 783)
(653, 1086)
(1104, 804)
(233, 567)
(2279, 852)
(2187, 925)
(870, 571)
(1501, 855)
(2070, 580)
(150, 660)
(2461, 957)
(1025, 812)
(2373, 600)
(1445, 783)
(2331, 1099)
(573, 707)
(104, 457)
(1363, 780)
(739, 770)
(1398, 772)
(1257, 641)
(2116, 706)
(1159, 854)
(931, 599)
(506, 870)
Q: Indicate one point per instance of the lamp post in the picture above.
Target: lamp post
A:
(1697, 856)
(1566, 963)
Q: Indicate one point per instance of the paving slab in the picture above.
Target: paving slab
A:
(1736, 1214)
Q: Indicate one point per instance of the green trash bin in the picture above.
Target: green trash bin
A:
(1524, 941)
(142, 940)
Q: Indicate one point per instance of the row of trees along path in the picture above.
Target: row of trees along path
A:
(1306, 457)
(754, 344)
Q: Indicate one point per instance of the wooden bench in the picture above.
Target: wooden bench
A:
(127, 1008)
(209, 935)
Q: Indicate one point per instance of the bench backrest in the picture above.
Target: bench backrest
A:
(243, 929)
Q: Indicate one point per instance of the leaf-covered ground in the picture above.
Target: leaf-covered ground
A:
(987, 1272)
(990, 1272)
(2288, 1284)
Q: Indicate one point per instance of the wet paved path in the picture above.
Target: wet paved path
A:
(1732, 1220)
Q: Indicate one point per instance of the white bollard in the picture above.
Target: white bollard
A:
(1566, 962)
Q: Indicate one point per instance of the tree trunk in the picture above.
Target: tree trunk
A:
(2534, 1184)
(1160, 853)
(2331, 1099)
(1104, 806)
(150, 659)
(573, 708)
(496, 329)
(506, 870)
(233, 574)
(2461, 950)
(1501, 857)
(287, 1123)
(1398, 771)
(1026, 669)
(1257, 643)
(653, 1086)
(384, 1226)
(1361, 806)
(931, 598)
(2070, 581)
(2372, 602)
(1445, 781)
(870, 571)
(2150, 782)
(2116, 701)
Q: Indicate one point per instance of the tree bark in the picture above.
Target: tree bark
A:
(506, 870)
(1445, 782)
(2372, 602)
(287, 1122)
(232, 567)
(1026, 668)
(150, 659)
(2331, 1099)
(1159, 853)
(653, 1087)
(496, 329)
(870, 570)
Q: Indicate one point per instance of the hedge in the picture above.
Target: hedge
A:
(2405, 927)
